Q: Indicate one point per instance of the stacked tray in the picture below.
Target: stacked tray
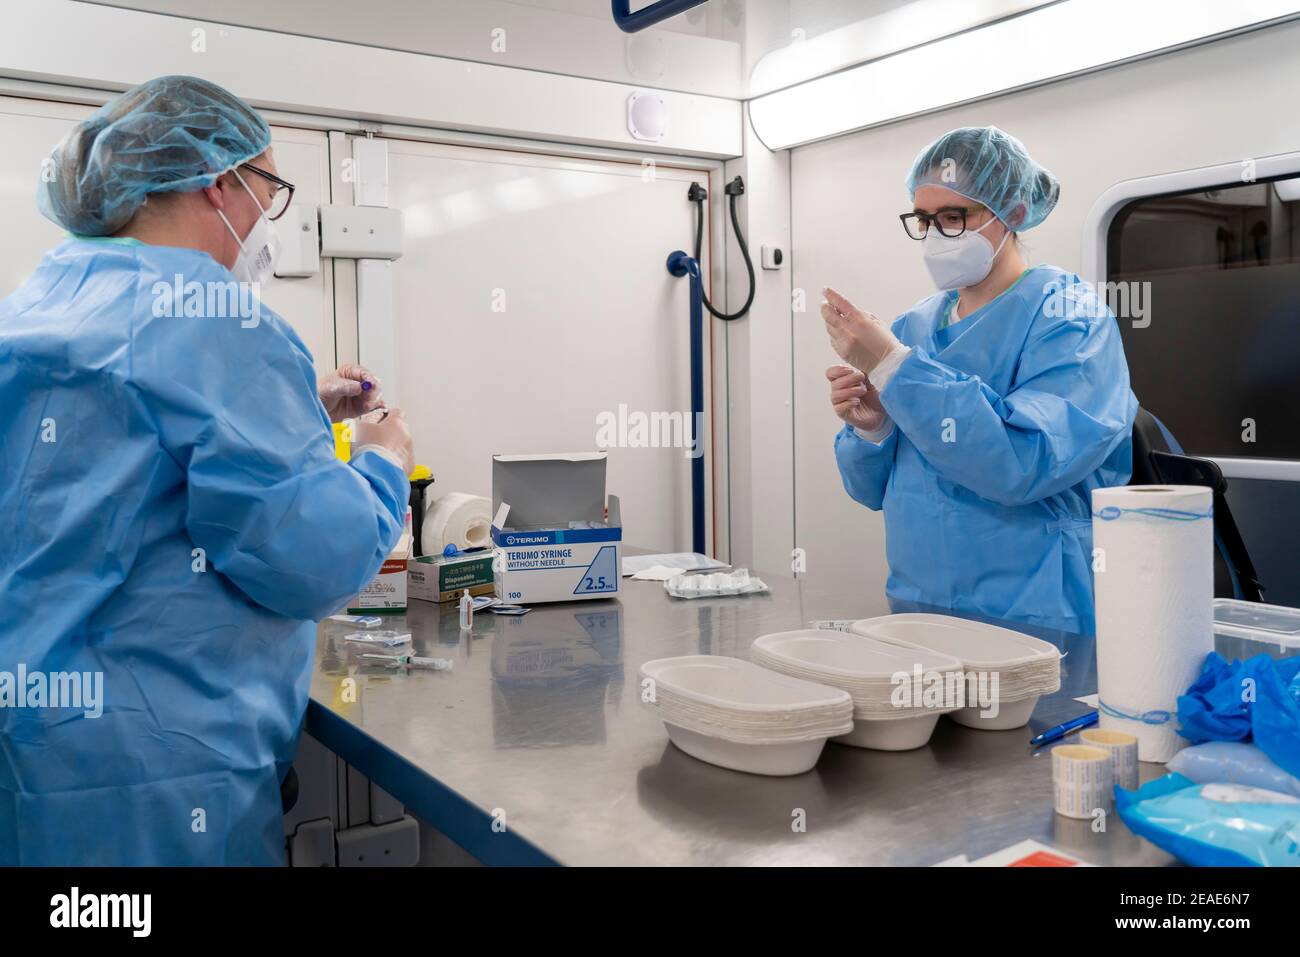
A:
(898, 692)
(1023, 667)
(737, 715)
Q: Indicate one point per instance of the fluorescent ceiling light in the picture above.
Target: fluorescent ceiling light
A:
(909, 25)
(1066, 38)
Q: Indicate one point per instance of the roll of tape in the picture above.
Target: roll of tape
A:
(457, 519)
(1123, 750)
(1081, 780)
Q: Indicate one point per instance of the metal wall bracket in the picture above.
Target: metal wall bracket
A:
(396, 844)
(361, 232)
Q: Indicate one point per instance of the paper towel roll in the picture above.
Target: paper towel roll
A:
(459, 518)
(1154, 572)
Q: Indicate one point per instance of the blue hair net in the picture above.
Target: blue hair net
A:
(991, 167)
(173, 134)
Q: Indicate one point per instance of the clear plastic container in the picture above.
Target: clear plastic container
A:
(1255, 621)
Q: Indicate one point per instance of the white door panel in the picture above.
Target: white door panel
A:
(532, 297)
(28, 131)
(307, 303)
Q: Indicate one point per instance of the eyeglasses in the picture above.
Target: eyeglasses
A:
(282, 196)
(950, 221)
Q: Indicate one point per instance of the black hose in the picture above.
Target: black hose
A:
(697, 194)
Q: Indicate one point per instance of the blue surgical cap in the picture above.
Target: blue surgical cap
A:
(173, 134)
(990, 167)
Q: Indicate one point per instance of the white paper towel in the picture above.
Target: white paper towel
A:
(456, 517)
(1154, 599)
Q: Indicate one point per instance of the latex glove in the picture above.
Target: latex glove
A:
(855, 400)
(859, 338)
(387, 430)
(344, 396)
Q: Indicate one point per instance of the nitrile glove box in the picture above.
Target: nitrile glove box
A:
(555, 536)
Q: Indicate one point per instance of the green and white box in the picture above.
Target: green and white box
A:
(556, 536)
(439, 578)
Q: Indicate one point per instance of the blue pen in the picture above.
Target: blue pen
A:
(1061, 730)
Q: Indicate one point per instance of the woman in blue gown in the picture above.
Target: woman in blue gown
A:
(983, 417)
(177, 516)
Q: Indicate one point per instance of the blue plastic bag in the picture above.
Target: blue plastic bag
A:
(1214, 825)
(1233, 762)
(1257, 699)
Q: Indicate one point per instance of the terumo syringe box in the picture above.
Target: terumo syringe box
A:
(555, 538)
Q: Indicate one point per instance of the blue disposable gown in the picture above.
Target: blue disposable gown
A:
(128, 441)
(1006, 421)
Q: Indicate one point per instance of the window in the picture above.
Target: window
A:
(1219, 359)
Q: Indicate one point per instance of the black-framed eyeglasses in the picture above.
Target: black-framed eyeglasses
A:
(949, 220)
(282, 196)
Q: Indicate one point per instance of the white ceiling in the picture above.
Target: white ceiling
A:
(711, 49)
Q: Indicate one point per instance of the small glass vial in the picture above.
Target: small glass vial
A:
(466, 611)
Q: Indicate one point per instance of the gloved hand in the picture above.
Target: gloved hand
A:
(859, 338)
(344, 397)
(387, 429)
(854, 399)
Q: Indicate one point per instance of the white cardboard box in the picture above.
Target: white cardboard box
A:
(387, 590)
(556, 538)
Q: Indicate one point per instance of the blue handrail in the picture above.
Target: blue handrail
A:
(680, 264)
(630, 22)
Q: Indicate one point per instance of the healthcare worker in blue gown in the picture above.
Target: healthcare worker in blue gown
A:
(176, 518)
(982, 419)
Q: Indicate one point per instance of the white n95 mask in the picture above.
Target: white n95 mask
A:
(259, 250)
(956, 262)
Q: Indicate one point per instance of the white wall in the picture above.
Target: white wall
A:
(1218, 103)
(760, 397)
(577, 38)
(84, 44)
(28, 130)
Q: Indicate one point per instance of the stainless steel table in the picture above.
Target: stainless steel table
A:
(535, 749)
